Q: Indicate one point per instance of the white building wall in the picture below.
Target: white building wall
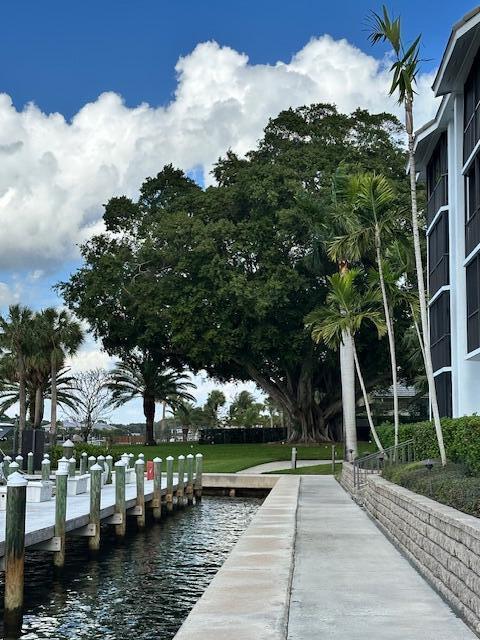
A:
(465, 371)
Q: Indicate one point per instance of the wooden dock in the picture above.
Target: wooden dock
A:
(102, 495)
(40, 516)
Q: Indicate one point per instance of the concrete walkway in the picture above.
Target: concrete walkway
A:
(280, 465)
(349, 581)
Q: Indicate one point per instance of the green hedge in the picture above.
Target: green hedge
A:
(452, 485)
(461, 437)
(92, 450)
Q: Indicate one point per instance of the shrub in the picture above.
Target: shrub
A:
(56, 452)
(461, 437)
(452, 485)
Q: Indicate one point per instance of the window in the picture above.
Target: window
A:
(443, 385)
(471, 109)
(438, 254)
(437, 178)
(472, 206)
(440, 331)
(473, 304)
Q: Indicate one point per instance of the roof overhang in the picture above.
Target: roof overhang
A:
(457, 59)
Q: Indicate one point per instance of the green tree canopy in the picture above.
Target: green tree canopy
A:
(221, 279)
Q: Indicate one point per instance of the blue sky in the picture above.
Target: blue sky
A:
(211, 74)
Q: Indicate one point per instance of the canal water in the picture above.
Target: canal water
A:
(143, 588)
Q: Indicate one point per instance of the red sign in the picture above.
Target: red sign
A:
(149, 469)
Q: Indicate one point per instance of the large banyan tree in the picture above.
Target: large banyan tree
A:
(222, 278)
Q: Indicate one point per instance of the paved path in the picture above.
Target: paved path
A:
(281, 464)
(350, 582)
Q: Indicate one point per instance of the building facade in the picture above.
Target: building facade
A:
(448, 160)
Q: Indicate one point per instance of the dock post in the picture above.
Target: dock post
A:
(101, 462)
(190, 478)
(72, 463)
(169, 495)
(181, 482)
(120, 528)
(131, 459)
(61, 477)
(83, 463)
(14, 554)
(140, 475)
(157, 488)
(91, 461)
(95, 497)
(19, 461)
(141, 456)
(30, 463)
(68, 448)
(198, 476)
(6, 466)
(109, 467)
(45, 469)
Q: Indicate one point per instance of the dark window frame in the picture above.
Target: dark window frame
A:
(472, 205)
(437, 178)
(438, 254)
(443, 386)
(440, 331)
(471, 109)
(472, 275)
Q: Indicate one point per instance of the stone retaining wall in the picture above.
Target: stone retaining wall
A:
(346, 478)
(443, 543)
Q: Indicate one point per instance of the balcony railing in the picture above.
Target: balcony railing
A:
(440, 350)
(438, 197)
(472, 232)
(439, 275)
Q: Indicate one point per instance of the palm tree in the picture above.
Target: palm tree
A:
(16, 338)
(140, 376)
(61, 337)
(346, 310)
(405, 70)
(186, 413)
(36, 386)
(368, 220)
(215, 400)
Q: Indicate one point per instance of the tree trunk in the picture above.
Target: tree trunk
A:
(38, 408)
(149, 412)
(421, 283)
(347, 371)
(185, 431)
(22, 396)
(390, 333)
(53, 410)
(365, 398)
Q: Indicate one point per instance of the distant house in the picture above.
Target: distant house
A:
(448, 160)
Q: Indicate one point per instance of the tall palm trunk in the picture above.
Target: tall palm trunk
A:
(37, 421)
(22, 397)
(53, 409)
(390, 333)
(347, 372)
(365, 398)
(418, 332)
(421, 282)
(149, 413)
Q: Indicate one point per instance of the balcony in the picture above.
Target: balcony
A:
(438, 198)
(472, 232)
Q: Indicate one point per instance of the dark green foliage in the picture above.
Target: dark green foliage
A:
(452, 485)
(461, 436)
(56, 452)
(221, 279)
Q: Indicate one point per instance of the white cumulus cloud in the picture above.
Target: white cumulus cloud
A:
(55, 174)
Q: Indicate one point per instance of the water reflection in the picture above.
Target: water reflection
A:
(143, 588)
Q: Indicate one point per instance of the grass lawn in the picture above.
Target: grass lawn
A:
(229, 458)
(314, 470)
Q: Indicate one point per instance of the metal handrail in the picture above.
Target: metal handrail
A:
(402, 453)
